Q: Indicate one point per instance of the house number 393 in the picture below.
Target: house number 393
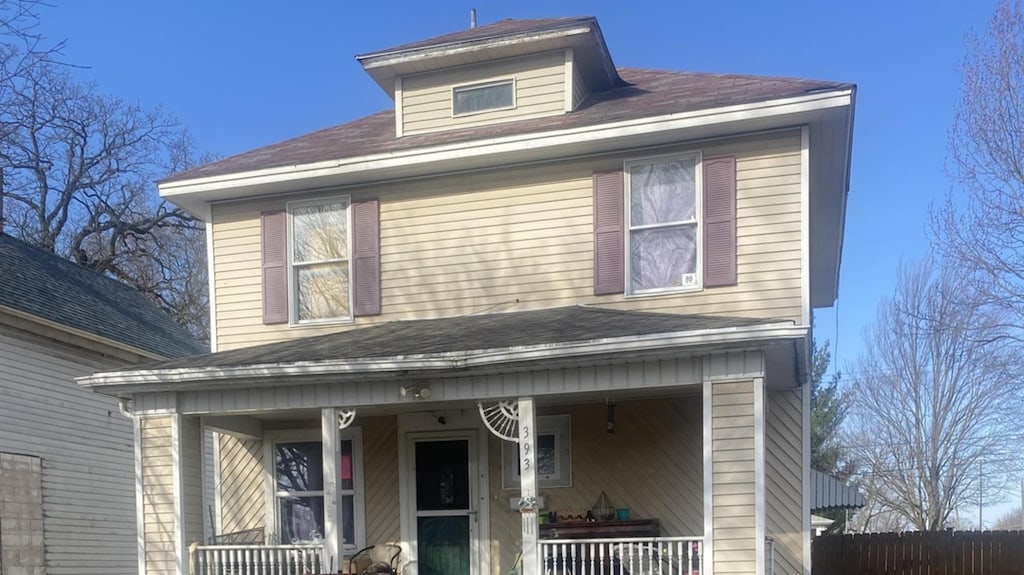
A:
(526, 447)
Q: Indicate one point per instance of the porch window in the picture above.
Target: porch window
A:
(319, 257)
(554, 455)
(662, 217)
(299, 491)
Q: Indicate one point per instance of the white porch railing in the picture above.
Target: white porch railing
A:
(634, 556)
(258, 560)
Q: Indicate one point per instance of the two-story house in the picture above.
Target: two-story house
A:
(540, 278)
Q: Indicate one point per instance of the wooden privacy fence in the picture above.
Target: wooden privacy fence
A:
(920, 553)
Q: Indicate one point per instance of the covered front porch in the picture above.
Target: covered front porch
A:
(474, 467)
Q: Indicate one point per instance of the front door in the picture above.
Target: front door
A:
(444, 497)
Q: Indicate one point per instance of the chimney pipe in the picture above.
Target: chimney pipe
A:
(472, 17)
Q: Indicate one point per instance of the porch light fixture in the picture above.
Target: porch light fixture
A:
(416, 390)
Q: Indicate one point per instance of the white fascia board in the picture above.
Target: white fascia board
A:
(386, 59)
(450, 360)
(539, 144)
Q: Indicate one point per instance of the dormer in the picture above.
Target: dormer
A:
(502, 72)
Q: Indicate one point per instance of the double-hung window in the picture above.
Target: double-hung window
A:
(299, 491)
(662, 218)
(320, 260)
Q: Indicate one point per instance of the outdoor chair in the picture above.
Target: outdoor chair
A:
(375, 559)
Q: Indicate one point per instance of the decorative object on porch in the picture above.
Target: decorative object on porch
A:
(381, 558)
(502, 418)
(603, 510)
(245, 537)
(346, 417)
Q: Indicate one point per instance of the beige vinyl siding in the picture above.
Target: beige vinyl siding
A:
(380, 475)
(784, 480)
(85, 446)
(652, 464)
(522, 238)
(732, 469)
(242, 487)
(539, 91)
(158, 495)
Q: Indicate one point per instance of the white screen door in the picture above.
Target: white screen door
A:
(444, 498)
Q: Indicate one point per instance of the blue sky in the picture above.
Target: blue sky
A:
(245, 74)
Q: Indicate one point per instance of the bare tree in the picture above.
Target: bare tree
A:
(1012, 520)
(937, 401)
(981, 225)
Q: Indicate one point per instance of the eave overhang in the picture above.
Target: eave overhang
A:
(126, 383)
(583, 36)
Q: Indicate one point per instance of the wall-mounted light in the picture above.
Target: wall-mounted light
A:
(416, 390)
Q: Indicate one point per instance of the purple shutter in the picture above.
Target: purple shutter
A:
(274, 240)
(366, 257)
(720, 221)
(609, 250)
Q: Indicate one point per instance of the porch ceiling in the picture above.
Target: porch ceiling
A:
(456, 343)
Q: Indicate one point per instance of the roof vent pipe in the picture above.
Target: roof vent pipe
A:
(472, 17)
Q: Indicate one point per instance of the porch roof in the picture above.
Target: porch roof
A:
(465, 341)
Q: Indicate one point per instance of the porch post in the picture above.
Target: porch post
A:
(186, 441)
(528, 486)
(333, 544)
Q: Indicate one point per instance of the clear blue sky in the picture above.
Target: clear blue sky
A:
(244, 74)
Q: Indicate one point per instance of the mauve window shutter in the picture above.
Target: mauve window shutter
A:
(274, 241)
(609, 250)
(720, 221)
(366, 258)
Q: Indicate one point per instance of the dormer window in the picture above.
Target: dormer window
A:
(483, 97)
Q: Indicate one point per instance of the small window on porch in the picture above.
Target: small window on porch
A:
(554, 455)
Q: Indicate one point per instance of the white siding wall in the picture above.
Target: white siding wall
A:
(86, 447)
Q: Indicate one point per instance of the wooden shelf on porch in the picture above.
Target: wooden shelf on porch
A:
(600, 529)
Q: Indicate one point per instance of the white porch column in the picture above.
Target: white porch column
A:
(528, 485)
(187, 479)
(333, 517)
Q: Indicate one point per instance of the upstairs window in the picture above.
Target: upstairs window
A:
(475, 98)
(662, 210)
(319, 253)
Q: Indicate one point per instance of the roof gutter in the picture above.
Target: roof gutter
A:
(532, 142)
(446, 361)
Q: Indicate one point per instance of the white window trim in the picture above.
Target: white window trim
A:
(293, 294)
(485, 84)
(698, 221)
(353, 434)
(561, 427)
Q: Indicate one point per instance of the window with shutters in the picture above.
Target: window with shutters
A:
(663, 210)
(319, 260)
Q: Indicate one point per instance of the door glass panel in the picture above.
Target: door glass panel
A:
(443, 547)
(442, 475)
(346, 465)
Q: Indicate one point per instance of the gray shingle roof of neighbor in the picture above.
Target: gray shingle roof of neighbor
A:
(39, 283)
(492, 331)
(648, 93)
(827, 492)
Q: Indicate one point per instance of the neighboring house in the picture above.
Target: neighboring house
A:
(67, 487)
(614, 266)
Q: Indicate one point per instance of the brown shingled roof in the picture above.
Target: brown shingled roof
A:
(650, 93)
(506, 27)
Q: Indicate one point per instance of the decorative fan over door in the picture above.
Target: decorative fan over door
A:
(502, 418)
